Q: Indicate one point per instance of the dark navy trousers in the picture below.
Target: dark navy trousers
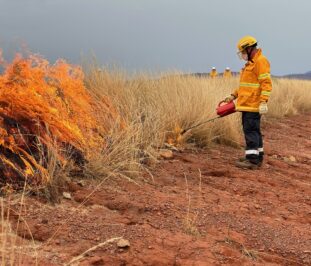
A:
(254, 144)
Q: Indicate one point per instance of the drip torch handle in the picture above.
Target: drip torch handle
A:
(223, 101)
(197, 125)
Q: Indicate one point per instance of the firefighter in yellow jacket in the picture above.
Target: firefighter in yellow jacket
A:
(213, 73)
(227, 73)
(252, 97)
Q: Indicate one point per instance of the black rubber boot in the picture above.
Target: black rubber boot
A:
(246, 164)
(243, 159)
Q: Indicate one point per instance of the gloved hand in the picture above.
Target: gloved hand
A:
(263, 108)
(229, 98)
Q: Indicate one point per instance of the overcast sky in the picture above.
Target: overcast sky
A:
(160, 35)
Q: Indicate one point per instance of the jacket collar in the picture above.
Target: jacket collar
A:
(258, 53)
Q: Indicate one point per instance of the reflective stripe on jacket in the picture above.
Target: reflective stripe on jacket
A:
(255, 84)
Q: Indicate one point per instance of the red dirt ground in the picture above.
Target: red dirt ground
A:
(199, 209)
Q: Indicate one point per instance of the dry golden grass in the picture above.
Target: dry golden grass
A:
(290, 97)
(154, 109)
(190, 220)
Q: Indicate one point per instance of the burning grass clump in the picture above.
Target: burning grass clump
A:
(46, 107)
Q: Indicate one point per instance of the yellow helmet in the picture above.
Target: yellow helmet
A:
(245, 42)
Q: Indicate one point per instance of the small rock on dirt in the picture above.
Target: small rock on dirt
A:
(67, 195)
(166, 154)
(123, 243)
(81, 183)
(290, 159)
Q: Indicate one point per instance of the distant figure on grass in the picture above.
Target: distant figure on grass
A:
(227, 73)
(252, 97)
(213, 73)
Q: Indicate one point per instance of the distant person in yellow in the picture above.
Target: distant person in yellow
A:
(227, 73)
(213, 73)
(252, 97)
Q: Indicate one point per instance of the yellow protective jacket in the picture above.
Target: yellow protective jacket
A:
(255, 84)
(227, 74)
(213, 74)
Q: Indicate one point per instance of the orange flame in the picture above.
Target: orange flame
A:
(40, 104)
(174, 137)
